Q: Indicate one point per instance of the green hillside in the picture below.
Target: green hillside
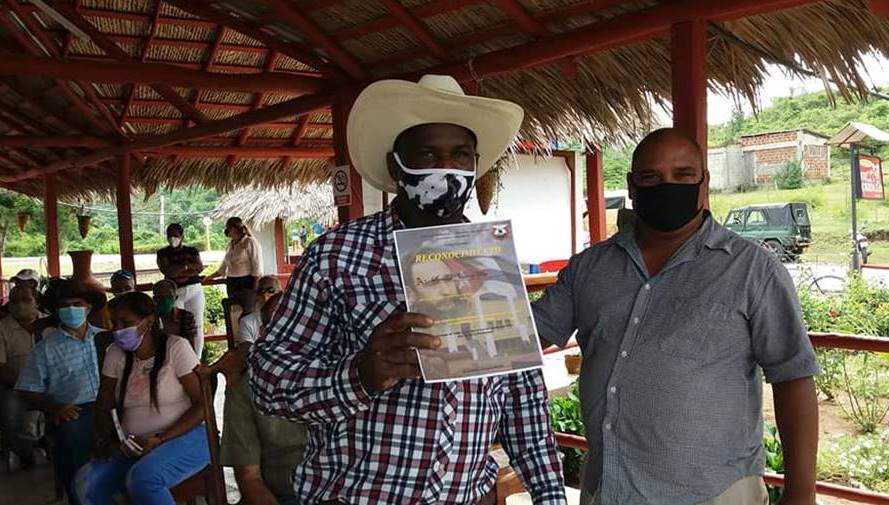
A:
(813, 111)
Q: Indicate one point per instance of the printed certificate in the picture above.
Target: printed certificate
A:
(467, 278)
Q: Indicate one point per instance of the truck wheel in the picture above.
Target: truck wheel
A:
(775, 249)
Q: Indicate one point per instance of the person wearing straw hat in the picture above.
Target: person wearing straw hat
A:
(338, 354)
(61, 378)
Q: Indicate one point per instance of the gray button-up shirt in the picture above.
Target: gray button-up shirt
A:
(671, 386)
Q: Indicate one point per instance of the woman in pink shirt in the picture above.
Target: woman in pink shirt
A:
(148, 380)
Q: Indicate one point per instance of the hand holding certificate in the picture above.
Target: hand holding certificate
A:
(466, 278)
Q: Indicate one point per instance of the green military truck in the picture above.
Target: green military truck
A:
(783, 229)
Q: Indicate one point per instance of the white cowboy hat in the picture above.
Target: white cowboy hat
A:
(386, 108)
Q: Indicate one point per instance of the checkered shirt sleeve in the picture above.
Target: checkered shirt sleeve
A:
(294, 369)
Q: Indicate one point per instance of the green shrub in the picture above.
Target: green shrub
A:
(790, 176)
(212, 352)
(864, 389)
(774, 454)
(857, 460)
(566, 416)
(214, 316)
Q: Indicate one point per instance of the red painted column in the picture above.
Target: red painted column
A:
(595, 196)
(51, 216)
(125, 214)
(879, 7)
(688, 53)
(281, 247)
(340, 113)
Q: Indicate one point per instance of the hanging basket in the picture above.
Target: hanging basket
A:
(23, 217)
(83, 224)
(486, 187)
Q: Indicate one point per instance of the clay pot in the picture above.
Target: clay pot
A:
(23, 220)
(83, 224)
(572, 363)
(83, 270)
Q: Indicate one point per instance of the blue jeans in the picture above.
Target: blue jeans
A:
(71, 442)
(146, 480)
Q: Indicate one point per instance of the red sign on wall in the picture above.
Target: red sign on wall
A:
(871, 178)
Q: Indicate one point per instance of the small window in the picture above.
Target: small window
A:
(756, 218)
(733, 218)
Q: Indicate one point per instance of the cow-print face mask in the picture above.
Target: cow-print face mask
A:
(441, 192)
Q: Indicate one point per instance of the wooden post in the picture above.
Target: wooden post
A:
(281, 260)
(125, 214)
(340, 113)
(595, 196)
(51, 216)
(688, 53)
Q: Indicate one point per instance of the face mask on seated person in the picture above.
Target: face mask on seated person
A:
(128, 339)
(72, 317)
(165, 305)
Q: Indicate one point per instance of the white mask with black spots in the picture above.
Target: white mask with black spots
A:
(441, 192)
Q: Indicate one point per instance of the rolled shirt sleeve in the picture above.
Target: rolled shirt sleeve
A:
(780, 340)
(554, 312)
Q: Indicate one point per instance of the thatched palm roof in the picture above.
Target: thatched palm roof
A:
(599, 97)
(258, 207)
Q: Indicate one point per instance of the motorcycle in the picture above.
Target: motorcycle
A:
(863, 245)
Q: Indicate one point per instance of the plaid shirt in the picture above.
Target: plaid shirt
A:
(415, 443)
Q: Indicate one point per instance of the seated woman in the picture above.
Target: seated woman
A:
(175, 320)
(148, 377)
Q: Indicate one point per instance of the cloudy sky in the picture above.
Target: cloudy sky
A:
(778, 84)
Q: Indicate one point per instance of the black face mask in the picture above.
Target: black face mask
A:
(667, 207)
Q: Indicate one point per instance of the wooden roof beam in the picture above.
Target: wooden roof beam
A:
(518, 14)
(530, 25)
(295, 107)
(623, 30)
(285, 12)
(416, 27)
(296, 51)
(152, 73)
(296, 138)
(279, 125)
(30, 46)
(220, 68)
(242, 152)
(113, 50)
(145, 48)
(501, 30)
(384, 23)
(879, 7)
(59, 141)
(133, 16)
(258, 102)
(208, 65)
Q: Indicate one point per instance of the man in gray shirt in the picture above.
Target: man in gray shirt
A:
(677, 319)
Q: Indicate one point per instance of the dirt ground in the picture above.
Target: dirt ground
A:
(831, 422)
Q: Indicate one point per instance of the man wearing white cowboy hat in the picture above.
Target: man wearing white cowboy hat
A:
(338, 355)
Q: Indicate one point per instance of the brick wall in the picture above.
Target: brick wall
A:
(769, 138)
(769, 161)
(816, 162)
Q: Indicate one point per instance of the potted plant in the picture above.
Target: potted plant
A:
(572, 363)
